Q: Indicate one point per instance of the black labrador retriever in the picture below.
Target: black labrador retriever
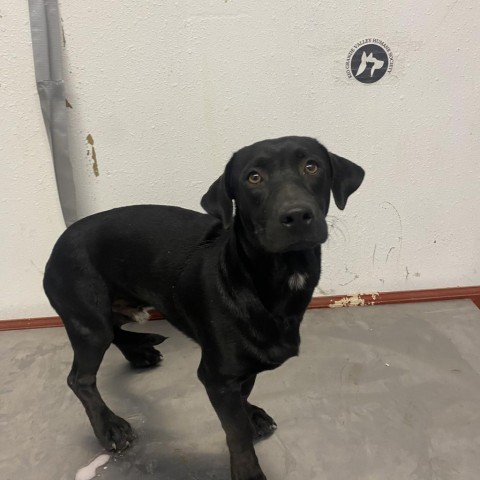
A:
(237, 281)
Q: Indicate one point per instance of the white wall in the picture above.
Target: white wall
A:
(30, 218)
(168, 90)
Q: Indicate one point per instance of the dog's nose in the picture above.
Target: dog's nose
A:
(296, 217)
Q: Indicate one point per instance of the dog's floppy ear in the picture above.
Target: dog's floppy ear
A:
(347, 177)
(218, 200)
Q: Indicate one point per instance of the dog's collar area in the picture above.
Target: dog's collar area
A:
(297, 281)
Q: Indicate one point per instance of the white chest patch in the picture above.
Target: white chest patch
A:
(297, 281)
(142, 315)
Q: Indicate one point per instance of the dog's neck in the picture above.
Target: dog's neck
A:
(279, 279)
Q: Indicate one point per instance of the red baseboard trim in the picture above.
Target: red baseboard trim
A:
(28, 323)
(332, 301)
(408, 296)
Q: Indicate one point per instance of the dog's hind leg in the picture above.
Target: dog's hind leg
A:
(90, 338)
(113, 432)
(85, 308)
(138, 348)
(263, 424)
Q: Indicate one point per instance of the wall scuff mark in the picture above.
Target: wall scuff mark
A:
(94, 155)
(354, 277)
(388, 254)
(386, 205)
(63, 33)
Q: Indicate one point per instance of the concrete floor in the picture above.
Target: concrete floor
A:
(382, 393)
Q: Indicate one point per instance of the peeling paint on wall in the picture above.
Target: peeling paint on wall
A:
(358, 300)
(94, 155)
(352, 301)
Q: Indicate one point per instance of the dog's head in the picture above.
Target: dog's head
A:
(281, 190)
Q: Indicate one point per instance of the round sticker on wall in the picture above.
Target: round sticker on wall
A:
(369, 60)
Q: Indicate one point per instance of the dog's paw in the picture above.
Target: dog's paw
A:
(116, 434)
(263, 424)
(144, 357)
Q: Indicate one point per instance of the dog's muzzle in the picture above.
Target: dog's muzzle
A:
(296, 226)
(297, 219)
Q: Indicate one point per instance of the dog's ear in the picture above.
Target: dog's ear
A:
(347, 177)
(218, 200)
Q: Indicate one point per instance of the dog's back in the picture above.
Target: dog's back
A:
(130, 248)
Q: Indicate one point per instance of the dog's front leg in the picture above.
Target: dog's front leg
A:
(226, 399)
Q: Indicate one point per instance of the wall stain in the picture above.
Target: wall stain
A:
(94, 155)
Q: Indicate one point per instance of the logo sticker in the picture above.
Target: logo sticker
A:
(369, 60)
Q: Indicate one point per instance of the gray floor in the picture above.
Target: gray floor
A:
(382, 393)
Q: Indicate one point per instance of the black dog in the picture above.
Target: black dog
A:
(238, 284)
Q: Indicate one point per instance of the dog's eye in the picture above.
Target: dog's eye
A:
(311, 167)
(254, 178)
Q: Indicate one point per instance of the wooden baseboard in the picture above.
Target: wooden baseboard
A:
(28, 323)
(408, 296)
(332, 301)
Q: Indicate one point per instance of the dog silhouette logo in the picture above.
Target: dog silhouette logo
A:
(369, 60)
